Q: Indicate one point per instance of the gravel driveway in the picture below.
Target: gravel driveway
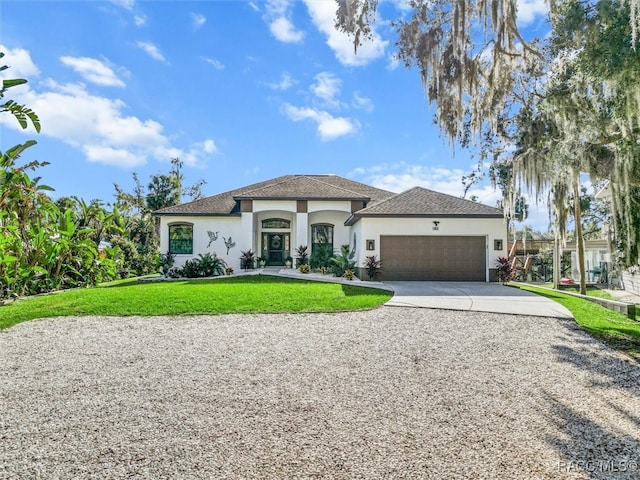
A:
(389, 393)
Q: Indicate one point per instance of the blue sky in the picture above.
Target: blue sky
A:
(240, 91)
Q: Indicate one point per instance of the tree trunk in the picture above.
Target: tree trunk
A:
(579, 236)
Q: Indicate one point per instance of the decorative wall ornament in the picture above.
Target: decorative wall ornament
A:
(229, 243)
(212, 237)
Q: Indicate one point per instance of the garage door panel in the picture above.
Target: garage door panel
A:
(445, 258)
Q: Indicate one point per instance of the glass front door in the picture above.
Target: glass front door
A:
(275, 248)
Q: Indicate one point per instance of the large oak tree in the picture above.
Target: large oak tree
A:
(550, 107)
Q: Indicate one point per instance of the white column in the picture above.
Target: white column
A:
(302, 230)
(247, 239)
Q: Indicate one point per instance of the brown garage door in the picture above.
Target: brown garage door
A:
(433, 258)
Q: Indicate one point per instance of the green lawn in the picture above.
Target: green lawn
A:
(610, 327)
(243, 294)
(591, 292)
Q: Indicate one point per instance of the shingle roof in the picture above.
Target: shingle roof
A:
(294, 187)
(421, 202)
(302, 187)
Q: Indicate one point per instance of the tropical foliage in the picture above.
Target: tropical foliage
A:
(321, 256)
(373, 267)
(504, 269)
(140, 241)
(206, 265)
(47, 245)
(302, 255)
(44, 246)
(247, 259)
(339, 264)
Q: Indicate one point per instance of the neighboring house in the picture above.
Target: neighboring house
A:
(534, 260)
(627, 279)
(418, 234)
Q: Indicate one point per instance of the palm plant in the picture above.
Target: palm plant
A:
(339, 264)
(247, 259)
(321, 256)
(302, 254)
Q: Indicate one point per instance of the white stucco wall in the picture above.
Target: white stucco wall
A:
(245, 230)
(335, 218)
(323, 205)
(227, 227)
(374, 228)
(318, 211)
(282, 205)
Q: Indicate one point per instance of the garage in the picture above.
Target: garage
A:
(433, 258)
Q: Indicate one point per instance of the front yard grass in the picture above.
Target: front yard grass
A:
(243, 294)
(591, 292)
(612, 328)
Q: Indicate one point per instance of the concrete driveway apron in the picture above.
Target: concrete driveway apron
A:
(474, 296)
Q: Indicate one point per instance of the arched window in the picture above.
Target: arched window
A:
(322, 234)
(276, 223)
(181, 238)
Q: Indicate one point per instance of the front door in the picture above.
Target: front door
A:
(277, 247)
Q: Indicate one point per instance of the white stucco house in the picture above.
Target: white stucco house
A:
(418, 234)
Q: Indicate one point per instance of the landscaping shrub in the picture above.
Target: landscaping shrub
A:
(304, 268)
(373, 267)
(206, 265)
(321, 256)
(505, 272)
(343, 262)
(247, 259)
(302, 255)
(167, 261)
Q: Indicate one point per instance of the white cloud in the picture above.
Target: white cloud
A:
(278, 17)
(195, 155)
(118, 157)
(19, 62)
(217, 64)
(393, 62)
(285, 83)
(328, 126)
(198, 20)
(93, 71)
(529, 10)
(284, 30)
(140, 20)
(401, 176)
(323, 16)
(128, 4)
(100, 128)
(362, 103)
(327, 87)
(209, 146)
(152, 50)
(254, 6)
